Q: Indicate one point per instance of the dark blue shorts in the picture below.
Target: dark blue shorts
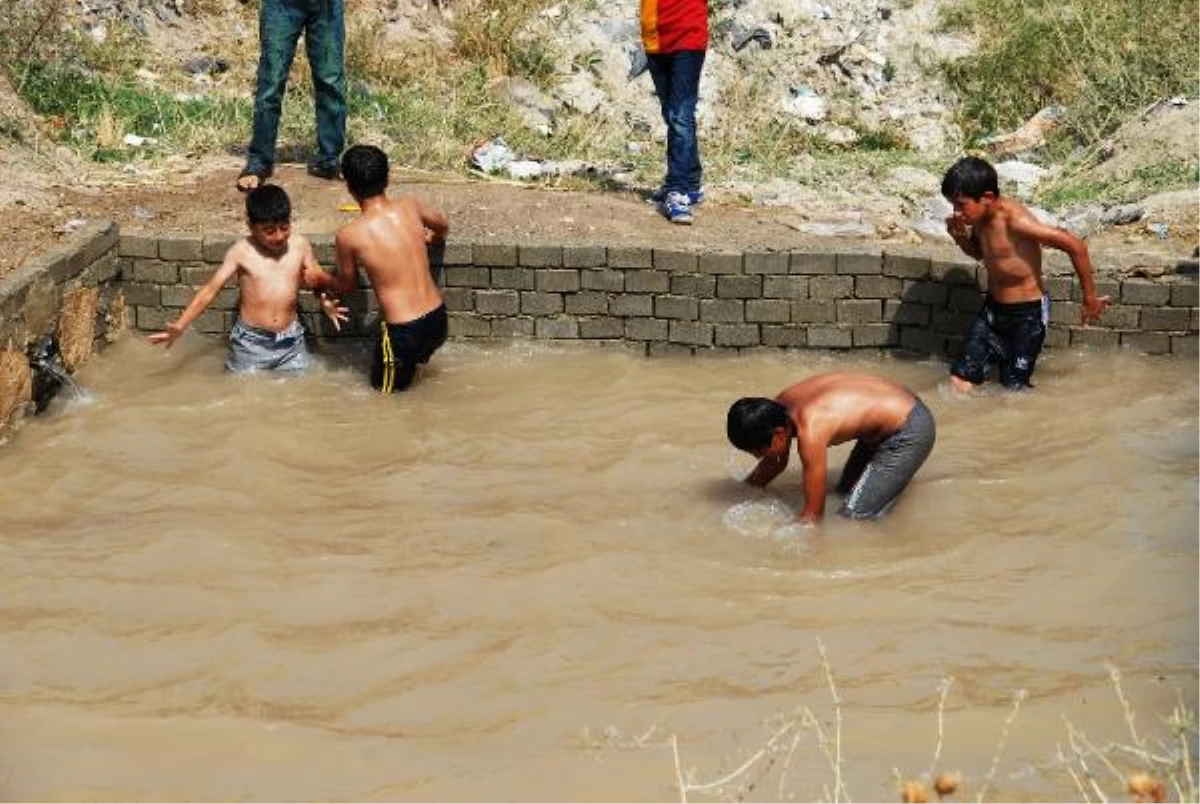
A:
(1004, 336)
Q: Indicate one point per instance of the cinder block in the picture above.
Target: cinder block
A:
(791, 337)
(495, 255)
(862, 263)
(156, 271)
(556, 328)
(558, 281)
(497, 302)
(584, 256)
(873, 335)
(1164, 319)
(512, 328)
(539, 256)
(739, 287)
(728, 311)
(770, 311)
(647, 282)
(682, 262)
(813, 312)
(602, 279)
(767, 262)
(905, 312)
(695, 285)
(630, 257)
(859, 311)
(1151, 343)
(828, 288)
(213, 249)
(1185, 294)
(1184, 346)
(785, 287)
(1116, 316)
(646, 329)
(829, 338)
(1094, 338)
(513, 278)
(720, 263)
(923, 341)
(536, 303)
(137, 245)
(464, 325)
(812, 263)
(964, 299)
(586, 303)
(877, 287)
(181, 249)
(459, 300)
(692, 333)
(468, 276)
(1145, 292)
(632, 305)
(196, 274)
(138, 294)
(905, 266)
(932, 293)
(676, 307)
(736, 335)
(601, 328)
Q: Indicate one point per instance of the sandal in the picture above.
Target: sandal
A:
(260, 178)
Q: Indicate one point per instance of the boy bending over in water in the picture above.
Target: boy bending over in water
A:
(389, 240)
(1008, 239)
(271, 267)
(893, 432)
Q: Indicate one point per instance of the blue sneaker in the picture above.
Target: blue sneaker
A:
(677, 208)
(695, 197)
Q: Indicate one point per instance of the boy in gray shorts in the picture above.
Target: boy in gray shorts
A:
(893, 432)
(271, 266)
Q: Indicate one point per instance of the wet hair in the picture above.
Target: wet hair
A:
(365, 169)
(972, 177)
(268, 203)
(751, 422)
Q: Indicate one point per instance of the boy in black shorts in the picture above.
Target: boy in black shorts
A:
(390, 241)
(1008, 240)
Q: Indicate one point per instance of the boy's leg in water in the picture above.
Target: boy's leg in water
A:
(860, 456)
(892, 467)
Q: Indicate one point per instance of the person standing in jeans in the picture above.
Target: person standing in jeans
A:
(280, 24)
(675, 38)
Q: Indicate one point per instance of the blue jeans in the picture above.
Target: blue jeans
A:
(280, 23)
(676, 79)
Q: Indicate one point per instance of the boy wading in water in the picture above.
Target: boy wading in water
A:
(892, 429)
(390, 241)
(271, 266)
(1004, 235)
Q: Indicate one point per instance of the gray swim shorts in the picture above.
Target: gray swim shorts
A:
(258, 349)
(875, 475)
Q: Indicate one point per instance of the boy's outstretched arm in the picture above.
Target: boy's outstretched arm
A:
(346, 276)
(435, 221)
(1049, 236)
(200, 301)
(318, 280)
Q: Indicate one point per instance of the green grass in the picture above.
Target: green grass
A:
(1136, 184)
(1099, 59)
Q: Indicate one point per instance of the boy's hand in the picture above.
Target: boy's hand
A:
(1093, 308)
(333, 310)
(957, 227)
(168, 336)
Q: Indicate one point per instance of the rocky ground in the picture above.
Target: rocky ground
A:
(867, 52)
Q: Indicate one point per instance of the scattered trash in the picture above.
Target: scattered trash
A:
(805, 103)
(638, 63)
(138, 141)
(740, 37)
(349, 206)
(1160, 229)
(492, 156)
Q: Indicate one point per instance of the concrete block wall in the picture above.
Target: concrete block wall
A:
(665, 300)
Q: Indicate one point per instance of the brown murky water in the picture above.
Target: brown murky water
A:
(524, 579)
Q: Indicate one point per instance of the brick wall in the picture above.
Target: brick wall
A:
(673, 301)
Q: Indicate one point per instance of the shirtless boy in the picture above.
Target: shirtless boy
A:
(1008, 239)
(892, 429)
(389, 240)
(271, 266)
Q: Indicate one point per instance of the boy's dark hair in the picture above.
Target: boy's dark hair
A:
(365, 169)
(972, 177)
(752, 420)
(268, 203)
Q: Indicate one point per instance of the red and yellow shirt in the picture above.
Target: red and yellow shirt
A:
(669, 26)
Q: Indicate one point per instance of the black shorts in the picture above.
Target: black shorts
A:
(402, 347)
(1008, 336)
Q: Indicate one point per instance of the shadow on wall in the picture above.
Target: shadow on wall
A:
(934, 314)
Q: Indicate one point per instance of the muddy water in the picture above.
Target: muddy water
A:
(525, 579)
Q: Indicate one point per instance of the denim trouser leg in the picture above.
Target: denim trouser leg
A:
(279, 25)
(676, 79)
(324, 43)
